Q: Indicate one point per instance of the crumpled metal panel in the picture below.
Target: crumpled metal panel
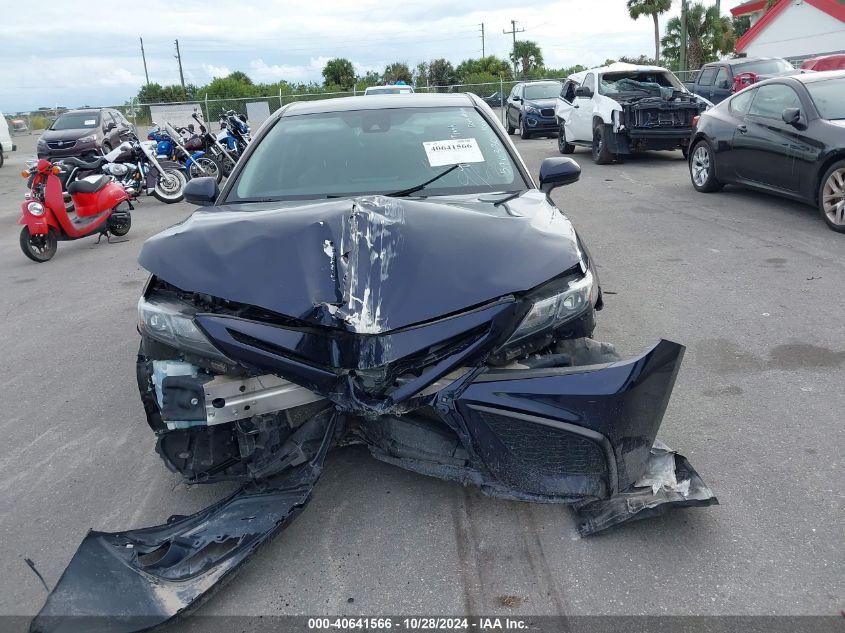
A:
(130, 581)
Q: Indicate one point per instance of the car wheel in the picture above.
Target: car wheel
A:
(601, 154)
(1, 156)
(832, 196)
(702, 168)
(39, 248)
(523, 129)
(562, 146)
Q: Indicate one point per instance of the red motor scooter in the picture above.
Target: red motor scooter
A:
(46, 219)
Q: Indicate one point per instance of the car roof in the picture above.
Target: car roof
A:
(540, 81)
(82, 110)
(806, 78)
(616, 67)
(378, 102)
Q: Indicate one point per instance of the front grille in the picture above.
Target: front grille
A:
(60, 144)
(546, 449)
(547, 112)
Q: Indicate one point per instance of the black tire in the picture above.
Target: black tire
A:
(511, 129)
(121, 227)
(702, 168)
(523, 130)
(210, 164)
(832, 197)
(1, 156)
(40, 248)
(106, 147)
(562, 146)
(163, 191)
(601, 154)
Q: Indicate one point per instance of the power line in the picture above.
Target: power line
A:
(482, 39)
(513, 32)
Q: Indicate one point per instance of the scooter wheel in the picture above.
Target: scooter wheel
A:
(39, 248)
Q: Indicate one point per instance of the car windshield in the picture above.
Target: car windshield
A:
(76, 121)
(547, 90)
(338, 154)
(650, 82)
(828, 97)
(763, 67)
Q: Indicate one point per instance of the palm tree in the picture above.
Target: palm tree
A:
(636, 8)
(708, 36)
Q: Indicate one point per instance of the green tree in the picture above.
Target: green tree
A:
(441, 73)
(639, 60)
(397, 71)
(240, 77)
(339, 72)
(654, 8)
(421, 75)
(528, 55)
(709, 35)
(490, 66)
(740, 25)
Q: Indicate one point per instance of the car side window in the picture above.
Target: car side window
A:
(739, 104)
(771, 100)
(723, 79)
(707, 75)
(567, 93)
(107, 118)
(589, 81)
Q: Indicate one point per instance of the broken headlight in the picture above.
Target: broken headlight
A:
(172, 323)
(557, 309)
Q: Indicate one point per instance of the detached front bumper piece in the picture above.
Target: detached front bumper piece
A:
(132, 581)
(578, 427)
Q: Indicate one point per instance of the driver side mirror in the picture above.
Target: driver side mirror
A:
(583, 91)
(554, 172)
(110, 126)
(792, 116)
(517, 98)
(202, 191)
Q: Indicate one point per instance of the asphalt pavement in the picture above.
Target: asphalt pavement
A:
(751, 284)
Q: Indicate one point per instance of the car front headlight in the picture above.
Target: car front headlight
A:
(532, 109)
(87, 139)
(41, 143)
(557, 309)
(169, 322)
(35, 208)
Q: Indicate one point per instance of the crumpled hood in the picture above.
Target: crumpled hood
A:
(368, 264)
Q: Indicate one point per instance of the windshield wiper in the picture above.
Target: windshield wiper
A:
(409, 191)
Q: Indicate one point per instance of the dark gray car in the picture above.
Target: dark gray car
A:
(83, 133)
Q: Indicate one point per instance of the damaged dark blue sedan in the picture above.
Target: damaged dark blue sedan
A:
(379, 271)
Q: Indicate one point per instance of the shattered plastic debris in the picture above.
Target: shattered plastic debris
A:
(660, 471)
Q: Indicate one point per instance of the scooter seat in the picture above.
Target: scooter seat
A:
(91, 184)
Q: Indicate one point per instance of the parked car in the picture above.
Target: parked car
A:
(624, 108)
(718, 80)
(382, 272)
(83, 133)
(530, 108)
(395, 89)
(825, 62)
(18, 126)
(6, 144)
(495, 100)
(783, 136)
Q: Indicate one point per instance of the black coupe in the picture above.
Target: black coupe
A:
(784, 136)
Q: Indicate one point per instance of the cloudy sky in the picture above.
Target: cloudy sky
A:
(82, 52)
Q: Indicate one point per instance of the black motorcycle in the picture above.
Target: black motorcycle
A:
(212, 146)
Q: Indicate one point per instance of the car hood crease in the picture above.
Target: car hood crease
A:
(366, 264)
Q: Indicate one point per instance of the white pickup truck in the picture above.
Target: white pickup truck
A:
(623, 108)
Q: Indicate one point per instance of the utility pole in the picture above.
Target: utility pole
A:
(179, 58)
(482, 39)
(684, 37)
(144, 57)
(513, 32)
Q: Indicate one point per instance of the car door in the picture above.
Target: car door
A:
(729, 155)
(769, 147)
(579, 126)
(514, 106)
(721, 89)
(704, 83)
(110, 129)
(563, 107)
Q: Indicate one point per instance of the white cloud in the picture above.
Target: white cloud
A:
(216, 71)
(260, 71)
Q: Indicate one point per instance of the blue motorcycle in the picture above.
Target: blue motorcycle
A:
(185, 147)
(234, 132)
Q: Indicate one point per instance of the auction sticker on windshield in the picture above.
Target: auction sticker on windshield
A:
(453, 152)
